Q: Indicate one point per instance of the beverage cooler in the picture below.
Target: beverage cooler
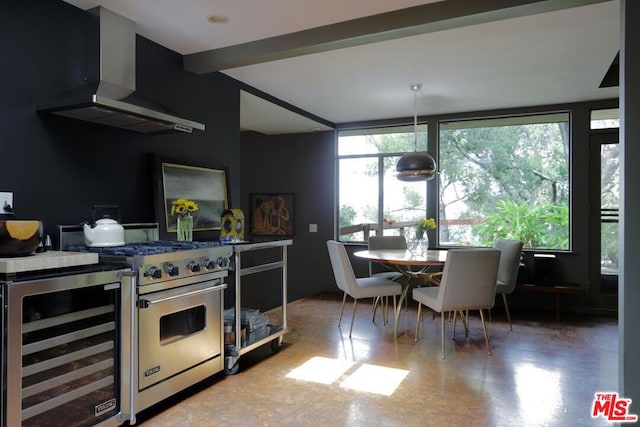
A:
(66, 342)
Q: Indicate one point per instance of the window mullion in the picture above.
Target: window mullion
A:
(380, 231)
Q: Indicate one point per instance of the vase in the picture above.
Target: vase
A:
(185, 228)
(419, 247)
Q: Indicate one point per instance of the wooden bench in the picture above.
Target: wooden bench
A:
(552, 289)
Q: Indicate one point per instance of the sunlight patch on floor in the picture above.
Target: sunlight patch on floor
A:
(539, 393)
(367, 378)
(375, 379)
(321, 370)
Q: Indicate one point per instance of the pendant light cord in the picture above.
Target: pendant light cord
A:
(415, 88)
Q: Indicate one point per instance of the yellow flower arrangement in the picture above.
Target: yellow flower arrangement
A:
(423, 225)
(183, 206)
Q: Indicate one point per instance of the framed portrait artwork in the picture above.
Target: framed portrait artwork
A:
(206, 186)
(272, 214)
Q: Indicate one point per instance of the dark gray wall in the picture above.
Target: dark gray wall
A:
(59, 168)
(302, 164)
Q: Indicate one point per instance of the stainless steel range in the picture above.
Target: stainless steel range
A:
(178, 326)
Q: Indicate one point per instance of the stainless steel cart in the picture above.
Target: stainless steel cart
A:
(273, 333)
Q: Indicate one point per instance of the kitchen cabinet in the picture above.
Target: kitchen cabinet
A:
(271, 332)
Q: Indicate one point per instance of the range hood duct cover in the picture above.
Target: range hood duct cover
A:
(108, 96)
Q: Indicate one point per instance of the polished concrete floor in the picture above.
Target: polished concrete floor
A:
(543, 373)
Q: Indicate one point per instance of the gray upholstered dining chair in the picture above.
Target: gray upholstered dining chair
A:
(357, 288)
(386, 242)
(468, 283)
(510, 252)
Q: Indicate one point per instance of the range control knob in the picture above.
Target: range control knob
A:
(222, 262)
(172, 269)
(193, 267)
(208, 264)
(153, 272)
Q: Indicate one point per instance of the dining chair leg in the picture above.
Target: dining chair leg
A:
(353, 315)
(486, 334)
(385, 305)
(453, 329)
(394, 309)
(344, 299)
(465, 322)
(415, 338)
(449, 314)
(442, 332)
(375, 307)
(506, 307)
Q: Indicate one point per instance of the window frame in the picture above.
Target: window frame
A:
(432, 124)
(380, 157)
(522, 118)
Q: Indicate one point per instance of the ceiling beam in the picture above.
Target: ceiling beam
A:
(427, 18)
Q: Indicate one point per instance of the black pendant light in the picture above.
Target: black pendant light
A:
(419, 165)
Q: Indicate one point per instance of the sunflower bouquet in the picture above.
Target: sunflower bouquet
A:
(183, 208)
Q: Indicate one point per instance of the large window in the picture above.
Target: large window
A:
(505, 178)
(371, 200)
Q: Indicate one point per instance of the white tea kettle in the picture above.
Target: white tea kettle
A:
(105, 231)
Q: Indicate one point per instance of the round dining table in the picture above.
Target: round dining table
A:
(411, 264)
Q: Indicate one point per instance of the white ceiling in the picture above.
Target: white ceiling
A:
(536, 59)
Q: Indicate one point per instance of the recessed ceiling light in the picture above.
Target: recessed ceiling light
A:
(217, 19)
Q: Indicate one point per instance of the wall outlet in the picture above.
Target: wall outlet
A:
(6, 202)
(313, 228)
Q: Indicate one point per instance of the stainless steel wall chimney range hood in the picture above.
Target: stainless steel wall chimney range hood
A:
(108, 95)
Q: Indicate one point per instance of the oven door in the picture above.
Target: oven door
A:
(179, 328)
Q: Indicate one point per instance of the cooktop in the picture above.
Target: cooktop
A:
(145, 248)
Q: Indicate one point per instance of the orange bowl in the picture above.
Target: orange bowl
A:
(19, 237)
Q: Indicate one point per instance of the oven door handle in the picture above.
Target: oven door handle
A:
(145, 303)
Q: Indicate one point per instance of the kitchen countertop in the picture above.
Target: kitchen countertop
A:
(46, 261)
(245, 246)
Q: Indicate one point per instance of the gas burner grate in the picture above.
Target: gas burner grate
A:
(146, 248)
(176, 245)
